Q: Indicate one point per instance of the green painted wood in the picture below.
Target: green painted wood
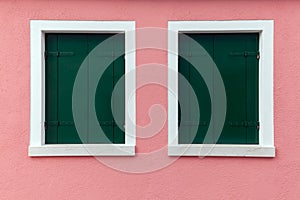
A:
(184, 136)
(103, 55)
(235, 57)
(194, 130)
(66, 53)
(51, 88)
(252, 88)
(233, 72)
(201, 49)
(119, 97)
(68, 67)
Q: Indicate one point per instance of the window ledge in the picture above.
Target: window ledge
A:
(82, 150)
(221, 150)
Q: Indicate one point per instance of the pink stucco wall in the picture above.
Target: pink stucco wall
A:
(23, 177)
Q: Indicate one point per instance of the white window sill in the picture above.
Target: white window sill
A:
(82, 150)
(221, 150)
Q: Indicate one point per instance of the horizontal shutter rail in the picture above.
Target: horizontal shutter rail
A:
(243, 123)
(58, 53)
(244, 53)
(194, 54)
(193, 123)
(109, 123)
(118, 54)
(59, 123)
(184, 54)
(71, 123)
(106, 123)
(66, 123)
(52, 123)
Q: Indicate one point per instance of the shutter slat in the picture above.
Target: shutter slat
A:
(51, 90)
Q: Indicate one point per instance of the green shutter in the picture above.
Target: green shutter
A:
(103, 92)
(189, 51)
(235, 56)
(119, 97)
(51, 87)
(64, 55)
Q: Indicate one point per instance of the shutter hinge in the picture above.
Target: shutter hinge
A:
(246, 54)
(57, 123)
(51, 123)
(51, 53)
(244, 124)
(57, 53)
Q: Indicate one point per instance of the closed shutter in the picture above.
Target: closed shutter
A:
(235, 56)
(64, 55)
(190, 52)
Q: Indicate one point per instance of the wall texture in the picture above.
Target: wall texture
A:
(22, 177)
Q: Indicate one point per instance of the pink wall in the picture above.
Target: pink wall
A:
(22, 177)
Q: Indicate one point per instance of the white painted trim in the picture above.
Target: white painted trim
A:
(266, 47)
(82, 150)
(221, 150)
(38, 28)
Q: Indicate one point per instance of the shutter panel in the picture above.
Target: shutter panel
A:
(235, 57)
(183, 92)
(233, 71)
(252, 88)
(199, 56)
(119, 97)
(68, 66)
(104, 104)
(51, 89)
(66, 53)
(104, 89)
(189, 50)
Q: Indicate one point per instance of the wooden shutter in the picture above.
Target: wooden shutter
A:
(64, 55)
(190, 52)
(235, 56)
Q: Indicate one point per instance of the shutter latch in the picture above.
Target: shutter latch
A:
(258, 55)
(45, 125)
(258, 126)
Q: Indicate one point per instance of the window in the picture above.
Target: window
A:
(226, 108)
(75, 68)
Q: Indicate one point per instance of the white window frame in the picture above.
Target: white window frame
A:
(265, 28)
(37, 146)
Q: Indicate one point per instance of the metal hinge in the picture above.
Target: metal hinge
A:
(57, 53)
(50, 123)
(245, 124)
(57, 123)
(71, 123)
(246, 54)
